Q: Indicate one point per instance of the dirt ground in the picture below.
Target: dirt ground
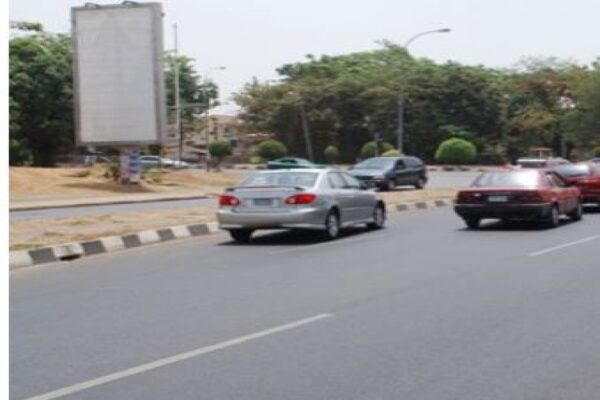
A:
(27, 183)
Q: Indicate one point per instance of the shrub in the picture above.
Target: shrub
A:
(596, 151)
(391, 153)
(332, 154)
(219, 150)
(271, 149)
(369, 149)
(152, 176)
(456, 151)
(112, 170)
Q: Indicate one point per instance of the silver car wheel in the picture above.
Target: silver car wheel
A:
(333, 225)
(378, 218)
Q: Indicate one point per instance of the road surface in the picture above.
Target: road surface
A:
(437, 179)
(421, 310)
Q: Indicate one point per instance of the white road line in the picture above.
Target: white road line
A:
(325, 244)
(563, 246)
(174, 359)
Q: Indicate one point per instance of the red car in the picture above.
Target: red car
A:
(586, 176)
(519, 195)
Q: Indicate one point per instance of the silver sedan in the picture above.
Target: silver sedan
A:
(325, 200)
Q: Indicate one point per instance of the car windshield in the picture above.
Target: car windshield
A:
(304, 179)
(508, 179)
(572, 171)
(532, 163)
(375, 163)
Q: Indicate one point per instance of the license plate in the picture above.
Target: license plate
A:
(497, 199)
(263, 202)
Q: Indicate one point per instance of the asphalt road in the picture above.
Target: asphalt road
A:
(437, 179)
(421, 310)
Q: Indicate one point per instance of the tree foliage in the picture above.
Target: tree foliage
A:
(219, 150)
(40, 98)
(502, 112)
(271, 149)
(194, 90)
(372, 149)
(332, 154)
(456, 151)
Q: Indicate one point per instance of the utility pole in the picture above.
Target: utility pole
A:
(178, 124)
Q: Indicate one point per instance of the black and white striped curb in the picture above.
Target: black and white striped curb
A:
(422, 205)
(71, 251)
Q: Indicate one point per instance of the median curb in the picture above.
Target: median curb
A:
(71, 251)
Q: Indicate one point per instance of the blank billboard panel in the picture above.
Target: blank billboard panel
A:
(119, 88)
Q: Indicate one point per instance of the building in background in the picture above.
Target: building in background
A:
(220, 127)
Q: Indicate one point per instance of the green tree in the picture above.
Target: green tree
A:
(339, 93)
(270, 150)
(219, 150)
(456, 151)
(194, 90)
(332, 154)
(370, 149)
(391, 153)
(41, 97)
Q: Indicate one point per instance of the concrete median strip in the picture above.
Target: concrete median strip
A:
(72, 251)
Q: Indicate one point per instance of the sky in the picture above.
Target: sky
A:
(252, 38)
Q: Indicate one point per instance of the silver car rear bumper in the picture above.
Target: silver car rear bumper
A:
(301, 218)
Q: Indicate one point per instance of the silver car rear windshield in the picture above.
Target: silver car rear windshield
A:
(572, 171)
(292, 178)
(508, 179)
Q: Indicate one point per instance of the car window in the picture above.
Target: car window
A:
(573, 170)
(304, 179)
(400, 164)
(555, 181)
(336, 181)
(351, 181)
(374, 163)
(510, 179)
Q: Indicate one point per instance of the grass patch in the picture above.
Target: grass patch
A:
(81, 174)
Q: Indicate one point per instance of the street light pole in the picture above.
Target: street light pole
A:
(178, 125)
(400, 128)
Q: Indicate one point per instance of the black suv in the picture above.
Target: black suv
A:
(388, 172)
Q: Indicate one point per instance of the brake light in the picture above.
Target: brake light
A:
(468, 197)
(228, 201)
(302, 198)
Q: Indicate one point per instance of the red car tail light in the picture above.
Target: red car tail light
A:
(468, 197)
(228, 201)
(302, 198)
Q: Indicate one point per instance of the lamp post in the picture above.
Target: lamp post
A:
(207, 94)
(400, 128)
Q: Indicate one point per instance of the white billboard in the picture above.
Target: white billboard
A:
(118, 74)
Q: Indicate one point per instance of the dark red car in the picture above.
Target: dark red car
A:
(519, 195)
(586, 176)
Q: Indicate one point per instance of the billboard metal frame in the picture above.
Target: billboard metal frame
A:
(159, 83)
